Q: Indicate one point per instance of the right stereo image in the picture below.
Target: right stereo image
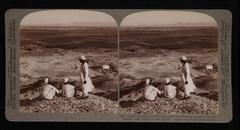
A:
(168, 63)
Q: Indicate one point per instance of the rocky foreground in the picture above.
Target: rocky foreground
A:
(194, 105)
(96, 104)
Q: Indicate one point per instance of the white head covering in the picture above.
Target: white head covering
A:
(167, 80)
(65, 80)
(184, 58)
(82, 57)
(147, 81)
(45, 80)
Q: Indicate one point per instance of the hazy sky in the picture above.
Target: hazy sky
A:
(168, 18)
(68, 17)
(91, 18)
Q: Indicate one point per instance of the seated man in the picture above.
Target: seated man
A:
(150, 92)
(48, 91)
(169, 90)
(67, 89)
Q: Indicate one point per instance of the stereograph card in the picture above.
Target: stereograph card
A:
(118, 65)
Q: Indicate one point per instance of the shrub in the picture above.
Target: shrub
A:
(134, 49)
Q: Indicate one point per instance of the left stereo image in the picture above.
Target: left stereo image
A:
(68, 62)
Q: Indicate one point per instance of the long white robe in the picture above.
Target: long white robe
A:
(48, 91)
(84, 76)
(186, 76)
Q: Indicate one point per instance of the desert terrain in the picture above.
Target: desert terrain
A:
(53, 52)
(144, 53)
(147, 52)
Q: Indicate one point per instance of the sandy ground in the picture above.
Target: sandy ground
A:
(163, 63)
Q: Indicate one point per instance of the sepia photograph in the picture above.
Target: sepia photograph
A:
(168, 63)
(68, 62)
(118, 65)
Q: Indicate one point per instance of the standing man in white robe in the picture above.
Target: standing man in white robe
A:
(187, 82)
(169, 90)
(150, 92)
(85, 80)
(48, 91)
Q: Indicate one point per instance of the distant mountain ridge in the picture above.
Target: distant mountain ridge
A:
(74, 24)
(178, 24)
